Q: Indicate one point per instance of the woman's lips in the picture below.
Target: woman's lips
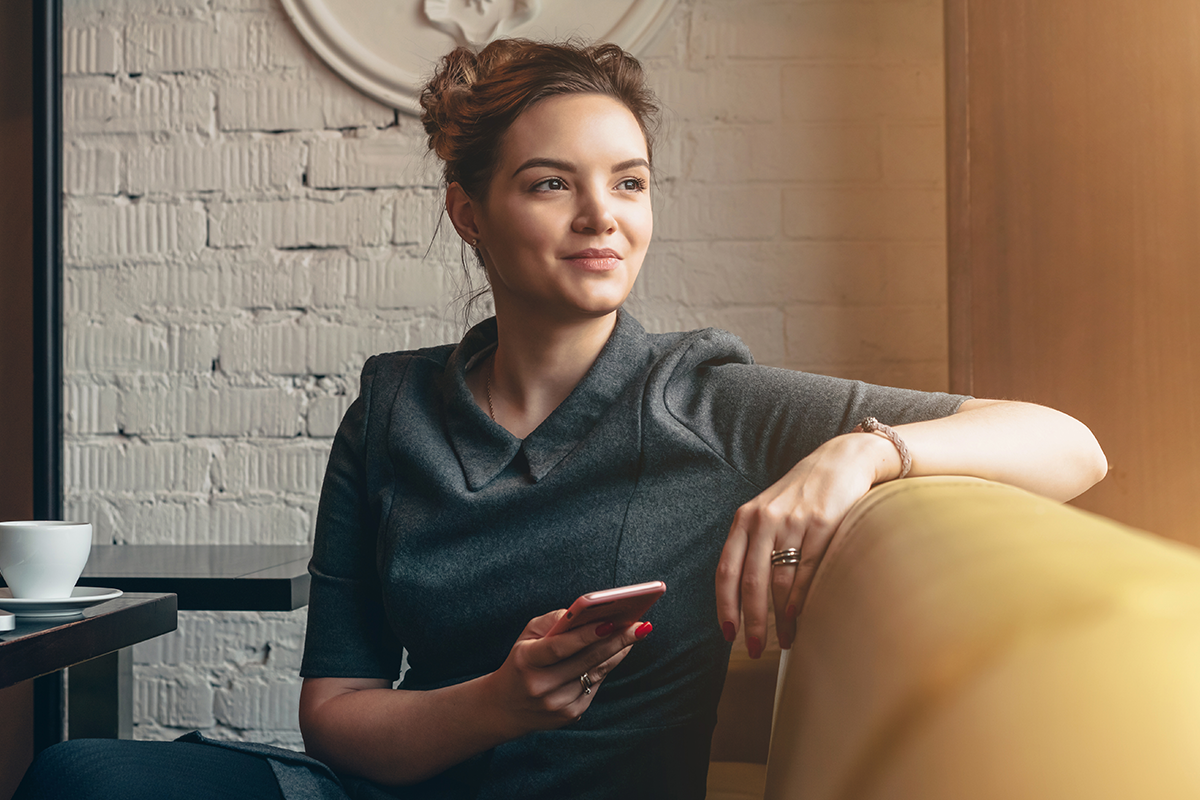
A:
(595, 260)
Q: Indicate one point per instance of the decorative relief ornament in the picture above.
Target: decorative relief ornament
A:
(387, 48)
(477, 22)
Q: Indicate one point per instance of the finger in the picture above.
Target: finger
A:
(595, 657)
(783, 582)
(586, 689)
(549, 650)
(729, 578)
(816, 544)
(810, 561)
(756, 579)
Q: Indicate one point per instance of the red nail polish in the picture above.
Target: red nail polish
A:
(754, 646)
(604, 629)
(790, 611)
(729, 631)
(643, 630)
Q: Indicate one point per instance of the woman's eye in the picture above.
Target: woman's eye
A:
(550, 185)
(633, 185)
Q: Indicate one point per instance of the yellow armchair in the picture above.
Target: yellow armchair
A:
(965, 639)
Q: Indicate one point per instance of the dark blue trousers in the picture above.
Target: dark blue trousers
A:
(120, 769)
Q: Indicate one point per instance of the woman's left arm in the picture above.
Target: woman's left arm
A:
(1022, 444)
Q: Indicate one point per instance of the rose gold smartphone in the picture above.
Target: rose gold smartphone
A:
(620, 606)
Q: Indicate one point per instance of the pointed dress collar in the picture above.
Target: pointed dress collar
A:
(485, 448)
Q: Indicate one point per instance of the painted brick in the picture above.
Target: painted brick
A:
(210, 410)
(864, 213)
(278, 349)
(234, 280)
(915, 153)
(832, 31)
(193, 643)
(126, 466)
(99, 232)
(296, 103)
(731, 93)
(784, 153)
(271, 468)
(259, 41)
(700, 212)
(325, 413)
(91, 171)
(910, 32)
(925, 376)
(82, 290)
(233, 167)
(128, 520)
(761, 328)
(171, 45)
(90, 408)
(90, 50)
(416, 218)
(216, 640)
(822, 92)
(916, 273)
(271, 705)
(386, 280)
(119, 346)
(91, 507)
(341, 349)
(276, 280)
(354, 220)
(179, 701)
(433, 331)
(865, 334)
(192, 348)
(385, 160)
(143, 105)
(755, 273)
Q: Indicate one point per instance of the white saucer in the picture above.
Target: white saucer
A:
(36, 608)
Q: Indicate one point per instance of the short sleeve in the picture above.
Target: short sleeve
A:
(762, 420)
(348, 635)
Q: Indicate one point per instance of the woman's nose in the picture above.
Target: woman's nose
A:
(594, 215)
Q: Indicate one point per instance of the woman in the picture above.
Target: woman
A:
(475, 489)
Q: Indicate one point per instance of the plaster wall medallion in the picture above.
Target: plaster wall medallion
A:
(387, 48)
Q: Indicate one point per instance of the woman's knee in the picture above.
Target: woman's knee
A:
(72, 769)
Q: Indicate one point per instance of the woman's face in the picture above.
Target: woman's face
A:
(566, 221)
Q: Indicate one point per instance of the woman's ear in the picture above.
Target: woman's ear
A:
(461, 210)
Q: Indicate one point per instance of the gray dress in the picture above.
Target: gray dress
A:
(441, 534)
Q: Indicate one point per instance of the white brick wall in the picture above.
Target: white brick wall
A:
(243, 230)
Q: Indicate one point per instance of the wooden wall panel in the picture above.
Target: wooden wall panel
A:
(1074, 224)
(16, 260)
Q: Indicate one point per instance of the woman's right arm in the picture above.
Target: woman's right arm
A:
(363, 727)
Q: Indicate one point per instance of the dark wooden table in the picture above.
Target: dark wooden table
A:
(217, 577)
(205, 578)
(42, 649)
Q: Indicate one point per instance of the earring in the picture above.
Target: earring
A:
(474, 243)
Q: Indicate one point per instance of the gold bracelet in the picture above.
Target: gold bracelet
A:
(872, 425)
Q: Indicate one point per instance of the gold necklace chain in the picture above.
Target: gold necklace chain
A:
(488, 384)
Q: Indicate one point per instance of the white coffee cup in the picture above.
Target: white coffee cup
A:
(43, 559)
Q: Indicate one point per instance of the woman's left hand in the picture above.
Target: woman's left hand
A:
(1029, 446)
(801, 510)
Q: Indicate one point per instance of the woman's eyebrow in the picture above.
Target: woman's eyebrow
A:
(552, 163)
(567, 166)
(633, 162)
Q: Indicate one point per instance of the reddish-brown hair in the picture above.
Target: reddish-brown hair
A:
(473, 98)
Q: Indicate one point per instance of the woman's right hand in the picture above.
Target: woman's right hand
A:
(396, 736)
(540, 686)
